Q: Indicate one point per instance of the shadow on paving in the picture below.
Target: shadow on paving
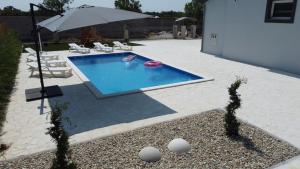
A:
(270, 69)
(85, 112)
(285, 73)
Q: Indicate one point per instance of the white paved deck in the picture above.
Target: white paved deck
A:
(271, 100)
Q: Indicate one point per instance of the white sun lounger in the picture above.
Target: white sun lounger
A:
(76, 48)
(54, 71)
(43, 55)
(122, 46)
(51, 63)
(103, 47)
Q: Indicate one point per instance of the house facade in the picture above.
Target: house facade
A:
(259, 32)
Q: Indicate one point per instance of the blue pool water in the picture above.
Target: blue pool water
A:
(110, 75)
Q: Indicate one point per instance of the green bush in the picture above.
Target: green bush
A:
(10, 51)
(231, 123)
(61, 138)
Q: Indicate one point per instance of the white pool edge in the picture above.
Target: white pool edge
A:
(97, 93)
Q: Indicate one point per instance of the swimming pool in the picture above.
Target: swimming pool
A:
(109, 75)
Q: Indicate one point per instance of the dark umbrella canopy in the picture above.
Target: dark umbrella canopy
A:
(88, 16)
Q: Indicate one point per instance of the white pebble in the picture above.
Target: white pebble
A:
(179, 146)
(150, 154)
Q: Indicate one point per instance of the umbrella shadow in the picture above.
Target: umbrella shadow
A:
(85, 112)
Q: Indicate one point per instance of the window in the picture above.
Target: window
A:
(281, 11)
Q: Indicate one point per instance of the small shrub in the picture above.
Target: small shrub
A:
(61, 138)
(231, 123)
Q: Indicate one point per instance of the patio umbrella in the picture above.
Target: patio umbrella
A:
(85, 15)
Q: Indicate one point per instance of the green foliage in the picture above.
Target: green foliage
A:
(194, 9)
(11, 11)
(57, 5)
(129, 5)
(231, 123)
(61, 138)
(10, 51)
(167, 14)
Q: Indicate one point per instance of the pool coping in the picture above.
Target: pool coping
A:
(99, 95)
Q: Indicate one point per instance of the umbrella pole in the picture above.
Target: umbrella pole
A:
(40, 41)
(35, 35)
(43, 92)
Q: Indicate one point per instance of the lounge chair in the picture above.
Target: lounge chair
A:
(103, 47)
(43, 55)
(122, 46)
(54, 71)
(51, 63)
(78, 48)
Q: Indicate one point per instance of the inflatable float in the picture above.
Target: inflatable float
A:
(128, 58)
(152, 63)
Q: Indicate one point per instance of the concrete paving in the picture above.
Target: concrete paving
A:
(293, 163)
(271, 100)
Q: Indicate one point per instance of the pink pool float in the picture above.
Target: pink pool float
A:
(152, 63)
(129, 58)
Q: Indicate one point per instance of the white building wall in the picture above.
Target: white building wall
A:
(247, 38)
(214, 24)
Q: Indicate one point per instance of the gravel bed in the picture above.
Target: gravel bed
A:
(210, 147)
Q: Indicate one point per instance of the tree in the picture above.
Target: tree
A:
(10, 11)
(194, 9)
(231, 123)
(43, 12)
(166, 14)
(61, 138)
(129, 5)
(57, 5)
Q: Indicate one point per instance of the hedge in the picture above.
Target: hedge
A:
(10, 51)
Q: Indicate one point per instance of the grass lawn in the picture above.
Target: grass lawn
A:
(10, 51)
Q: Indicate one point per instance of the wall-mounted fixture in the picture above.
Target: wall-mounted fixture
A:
(213, 36)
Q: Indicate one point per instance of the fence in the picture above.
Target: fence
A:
(138, 29)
